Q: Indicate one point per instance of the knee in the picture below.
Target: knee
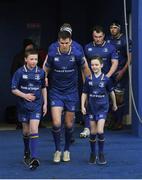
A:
(26, 132)
(56, 129)
(100, 132)
(33, 130)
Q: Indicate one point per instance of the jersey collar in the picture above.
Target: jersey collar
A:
(26, 69)
(99, 45)
(68, 53)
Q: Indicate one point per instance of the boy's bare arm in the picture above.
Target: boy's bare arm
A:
(28, 96)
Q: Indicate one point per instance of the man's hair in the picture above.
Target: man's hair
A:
(115, 23)
(64, 35)
(99, 58)
(66, 27)
(98, 29)
(30, 52)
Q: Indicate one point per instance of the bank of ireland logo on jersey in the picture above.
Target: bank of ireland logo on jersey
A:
(101, 84)
(37, 76)
(25, 76)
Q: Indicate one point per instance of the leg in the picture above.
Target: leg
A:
(72, 140)
(69, 119)
(100, 131)
(56, 131)
(34, 136)
(92, 139)
(26, 134)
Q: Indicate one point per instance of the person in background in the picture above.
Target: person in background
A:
(28, 83)
(96, 90)
(121, 78)
(18, 60)
(109, 55)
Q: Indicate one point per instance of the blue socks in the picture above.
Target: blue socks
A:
(93, 143)
(68, 135)
(33, 144)
(26, 144)
(56, 131)
(101, 140)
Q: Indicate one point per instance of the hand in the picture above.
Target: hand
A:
(119, 75)
(108, 75)
(29, 97)
(114, 107)
(44, 109)
(83, 110)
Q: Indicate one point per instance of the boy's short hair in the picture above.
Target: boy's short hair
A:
(99, 58)
(30, 52)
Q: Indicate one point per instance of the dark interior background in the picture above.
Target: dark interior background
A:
(38, 19)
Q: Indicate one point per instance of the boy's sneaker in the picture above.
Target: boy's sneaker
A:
(34, 163)
(85, 133)
(101, 159)
(27, 158)
(66, 156)
(92, 159)
(57, 157)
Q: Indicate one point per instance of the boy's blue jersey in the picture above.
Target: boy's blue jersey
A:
(29, 81)
(74, 45)
(64, 69)
(121, 47)
(97, 90)
(106, 50)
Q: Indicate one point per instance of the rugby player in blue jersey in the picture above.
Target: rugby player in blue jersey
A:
(75, 45)
(108, 53)
(96, 90)
(63, 63)
(121, 80)
(28, 83)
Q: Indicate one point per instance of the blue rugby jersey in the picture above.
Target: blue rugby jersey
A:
(29, 81)
(120, 45)
(64, 69)
(106, 50)
(97, 90)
